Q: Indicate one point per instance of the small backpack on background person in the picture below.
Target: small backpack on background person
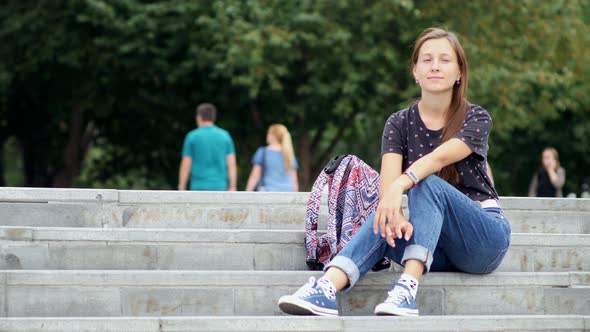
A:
(353, 194)
(261, 186)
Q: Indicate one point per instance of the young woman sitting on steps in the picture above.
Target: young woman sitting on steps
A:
(436, 150)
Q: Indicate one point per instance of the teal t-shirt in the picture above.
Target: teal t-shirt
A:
(208, 147)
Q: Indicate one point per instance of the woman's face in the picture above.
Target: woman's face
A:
(437, 68)
(549, 160)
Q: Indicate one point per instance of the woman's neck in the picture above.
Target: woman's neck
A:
(434, 105)
(275, 146)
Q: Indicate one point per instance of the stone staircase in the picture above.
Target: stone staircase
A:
(108, 260)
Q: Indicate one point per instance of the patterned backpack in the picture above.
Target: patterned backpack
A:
(353, 194)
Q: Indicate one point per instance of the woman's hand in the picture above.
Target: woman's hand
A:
(401, 228)
(389, 219)
(550, 164)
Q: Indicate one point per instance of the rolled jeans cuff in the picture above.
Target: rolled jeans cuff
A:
(418, 252)
(348, 267)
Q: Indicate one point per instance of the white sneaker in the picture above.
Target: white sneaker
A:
(310, 299)
(399, 302)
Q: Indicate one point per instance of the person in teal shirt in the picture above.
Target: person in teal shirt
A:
(208, 155)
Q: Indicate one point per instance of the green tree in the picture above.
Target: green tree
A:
(124, 77)
(115, 70)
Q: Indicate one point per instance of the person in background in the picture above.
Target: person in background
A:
(208, 155)
(274, 166)
(549, 180)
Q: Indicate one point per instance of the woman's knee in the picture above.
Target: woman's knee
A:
(431, 181)
(430, 185)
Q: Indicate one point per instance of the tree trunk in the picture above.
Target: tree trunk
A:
(309, 147)
(327, 154)
(74, 151)
(2, 182)
(256, 115)
(304, 146)
(34, 154)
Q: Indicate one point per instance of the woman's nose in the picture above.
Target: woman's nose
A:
(434, 65)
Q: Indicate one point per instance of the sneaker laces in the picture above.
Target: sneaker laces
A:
(307, 289)
(398, 295)
(313, 288)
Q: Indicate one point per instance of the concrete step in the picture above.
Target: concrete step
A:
(235, 217)
(173, 209)
(227, 249)
(243, 293)
(541, 323)
(135, 197)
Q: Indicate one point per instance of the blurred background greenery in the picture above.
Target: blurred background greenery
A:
(100, 93)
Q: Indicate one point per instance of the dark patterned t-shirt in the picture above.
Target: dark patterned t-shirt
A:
(406, 134)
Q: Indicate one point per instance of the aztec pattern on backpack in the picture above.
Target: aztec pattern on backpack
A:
(353, 192)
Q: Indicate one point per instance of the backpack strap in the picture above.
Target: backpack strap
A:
(341, 194)
(311, 220)
(326, 245)
(261, 181)
(335, 198)
(334, 163)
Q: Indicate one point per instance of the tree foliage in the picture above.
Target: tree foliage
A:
(121, 79)
(528, 68)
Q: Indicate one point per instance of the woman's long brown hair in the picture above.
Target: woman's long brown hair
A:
(459, 104)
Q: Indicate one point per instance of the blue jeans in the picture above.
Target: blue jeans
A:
(451, 233)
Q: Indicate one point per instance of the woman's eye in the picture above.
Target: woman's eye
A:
(445, 60)
(426, 60)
